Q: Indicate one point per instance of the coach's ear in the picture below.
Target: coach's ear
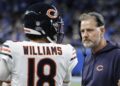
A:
(102, 28)
(118, 82)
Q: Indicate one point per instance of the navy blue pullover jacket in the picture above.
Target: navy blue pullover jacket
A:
(103, 67)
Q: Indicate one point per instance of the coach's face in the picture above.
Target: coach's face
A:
(90, 33)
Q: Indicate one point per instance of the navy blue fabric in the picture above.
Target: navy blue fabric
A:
(103, 67)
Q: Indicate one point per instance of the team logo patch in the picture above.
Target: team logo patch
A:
(100, 68)
(51, 13)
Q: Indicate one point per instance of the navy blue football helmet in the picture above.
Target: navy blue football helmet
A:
(44, 20)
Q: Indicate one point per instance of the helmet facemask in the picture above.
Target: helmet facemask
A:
(58, 27)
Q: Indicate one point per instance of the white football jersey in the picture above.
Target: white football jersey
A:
(38, 64)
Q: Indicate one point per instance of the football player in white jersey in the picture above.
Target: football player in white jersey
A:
(42, 61)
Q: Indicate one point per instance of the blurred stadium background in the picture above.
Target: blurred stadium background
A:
(11, 12)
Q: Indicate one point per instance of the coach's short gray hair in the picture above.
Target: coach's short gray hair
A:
(93, 15)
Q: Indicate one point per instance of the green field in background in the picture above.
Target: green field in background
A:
(75, 84)
(76, 81)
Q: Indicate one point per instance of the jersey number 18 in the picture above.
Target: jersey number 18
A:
(40, 72)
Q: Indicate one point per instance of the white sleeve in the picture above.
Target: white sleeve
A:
(73, 60)
(4, 71)
(72, 63)
(5, 53)
(67, 79)
(5, 61)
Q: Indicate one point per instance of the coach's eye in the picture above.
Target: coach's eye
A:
(82, 31)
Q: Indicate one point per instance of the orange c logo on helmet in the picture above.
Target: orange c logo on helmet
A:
(51, 13)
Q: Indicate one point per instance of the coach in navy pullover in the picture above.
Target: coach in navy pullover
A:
(102, 68)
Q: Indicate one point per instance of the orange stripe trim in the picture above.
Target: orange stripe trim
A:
(5, 49)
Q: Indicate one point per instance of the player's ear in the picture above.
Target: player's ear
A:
(102, 29)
